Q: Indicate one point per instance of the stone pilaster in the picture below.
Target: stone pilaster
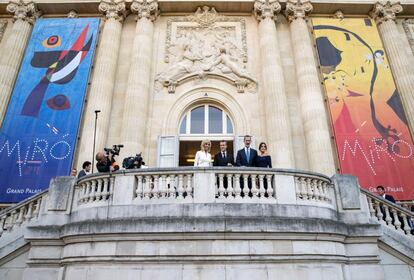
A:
(278, 129)
(100, 95)
(13, 48)
(137, 95)
(384, 14)
(314, 114)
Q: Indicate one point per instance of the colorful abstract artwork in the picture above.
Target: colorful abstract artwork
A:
(39, 131)
(373, 140)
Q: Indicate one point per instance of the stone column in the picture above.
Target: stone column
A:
(314, 113)
(278, 129)
(384, 14)
(13, 48)
(100, 95)
(137, 95)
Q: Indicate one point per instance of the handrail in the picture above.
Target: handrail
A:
(23, 202)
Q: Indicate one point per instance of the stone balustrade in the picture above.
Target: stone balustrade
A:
(204, 185)
(390, 214)
(21, 213)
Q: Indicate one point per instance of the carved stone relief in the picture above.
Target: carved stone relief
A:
(205, 45)
(3, 25)
(408, 25)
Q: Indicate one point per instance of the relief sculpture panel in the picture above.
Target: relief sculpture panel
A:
(205, 45)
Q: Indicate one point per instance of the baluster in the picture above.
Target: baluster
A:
(189, 186)
(99, 186)
(220, 190)
(255, 190)
(139, 189)
(379, 212)
(82, 195)
(13, 218)
(162, 186)
(19, 220)
(407, 227)
(245, 189)
(315, 189)
(303, 191)
(262, 190)
(110, 187)
(147, 188)
(9, 222)
(309, 189)
(29, 212)
(180, 188)
(327, 190)
(2, 224)
(105, 191)
(230, 190)
(237, 188)
(155, 190)
(397, 222)
(172, 190)
(92, 191)
(37, 208)
(388, 218)
(298, 188)
(371, 207)
(270, 187)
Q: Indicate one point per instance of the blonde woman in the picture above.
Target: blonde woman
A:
(203, 157)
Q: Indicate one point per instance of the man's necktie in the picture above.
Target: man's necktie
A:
(224, 154)
(248, 154)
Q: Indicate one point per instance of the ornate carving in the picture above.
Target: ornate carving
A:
(205, 44)
(72, 14)
(3, 25)
(266, 9)
(339, 15)
(113, 9)
(408, 26)
(23, 10)
(145, 9)
(384, 11)
(297, 9)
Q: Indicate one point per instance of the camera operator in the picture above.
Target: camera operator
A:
(104, 162)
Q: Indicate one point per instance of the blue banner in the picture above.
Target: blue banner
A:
(39, 131)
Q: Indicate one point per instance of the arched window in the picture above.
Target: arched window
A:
(206, 120)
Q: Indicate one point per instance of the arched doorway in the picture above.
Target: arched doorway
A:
(200, 122)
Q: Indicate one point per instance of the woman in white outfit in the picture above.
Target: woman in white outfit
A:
(203, 157)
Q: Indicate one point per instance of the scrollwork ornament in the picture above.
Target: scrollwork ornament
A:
(145, 9)
(113, 9)
(298, 9)
(23, 10)
(385, 10)
(266, 9)
(72, 14)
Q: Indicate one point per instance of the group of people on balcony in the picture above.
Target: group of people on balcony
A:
(247, 156)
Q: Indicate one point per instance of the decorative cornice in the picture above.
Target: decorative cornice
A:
(113, 9)
(385, 10)
(25, 10)
(72, 14)
(297, 9)
(339, 15)
(266, 9)
(145, 9)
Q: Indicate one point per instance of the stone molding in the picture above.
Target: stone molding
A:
(339, 15)
(25, 10)
(408, 26)
(385, 10)
(72, 14)
(113, 9)
(3, 25)
(266, 9)
(145, 9)
(298, 9)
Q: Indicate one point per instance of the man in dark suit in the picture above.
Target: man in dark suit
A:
(381, 193)
(223, 158)
(247, 155)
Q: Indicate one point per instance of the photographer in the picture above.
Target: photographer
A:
(104, 162)
(133, 162)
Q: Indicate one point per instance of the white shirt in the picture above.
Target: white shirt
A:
(202, 159)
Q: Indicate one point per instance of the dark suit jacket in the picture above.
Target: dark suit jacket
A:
(81, 174)
(241, 159)
(220, 161)
(390, 198)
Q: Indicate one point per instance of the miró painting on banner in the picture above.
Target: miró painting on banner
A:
(39, 131)
(372, 136)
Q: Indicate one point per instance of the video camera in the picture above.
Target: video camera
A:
(132, 162)
(114, 150)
